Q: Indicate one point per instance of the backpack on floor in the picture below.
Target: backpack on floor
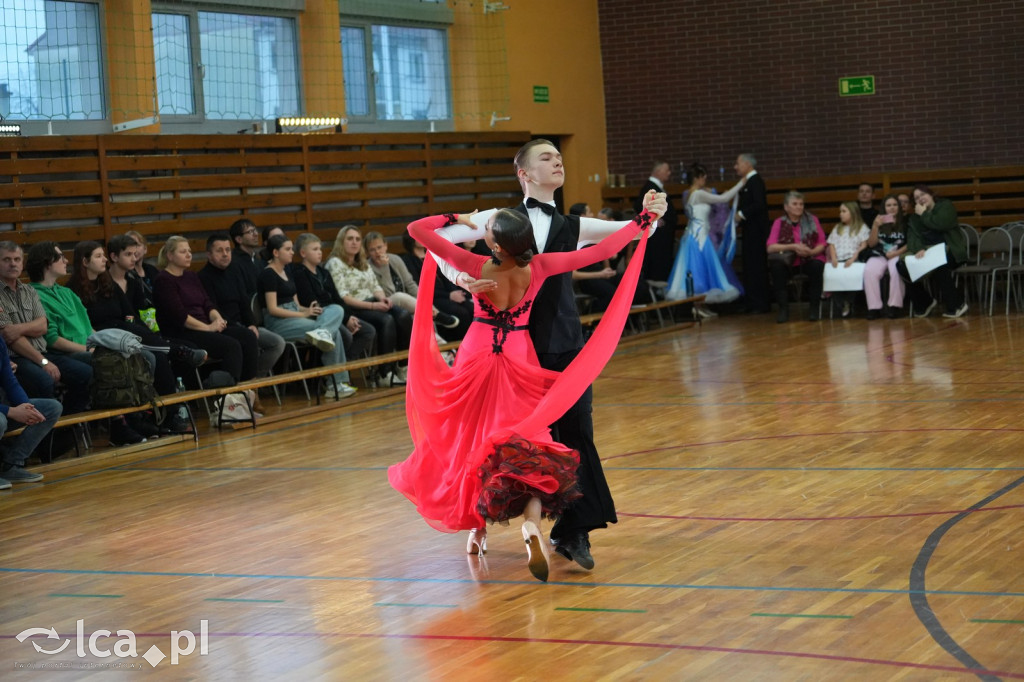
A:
(119, 381)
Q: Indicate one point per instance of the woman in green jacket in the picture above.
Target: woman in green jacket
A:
(934, 221)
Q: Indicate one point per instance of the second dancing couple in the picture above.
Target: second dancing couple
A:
(483, 450)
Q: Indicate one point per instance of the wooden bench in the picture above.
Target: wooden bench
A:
(594, 318)
(73, 188)
(985, 196)
(186, 397)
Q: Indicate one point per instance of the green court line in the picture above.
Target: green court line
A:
(798, 615)
(261, 601)
(90, 596)
(986, 620)
(570, 608)
(428, 606)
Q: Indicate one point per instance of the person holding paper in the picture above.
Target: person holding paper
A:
(796, 241)
(933, 222)
(847, 239)
(886, 243)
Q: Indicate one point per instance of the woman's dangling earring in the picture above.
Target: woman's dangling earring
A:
(494, 255)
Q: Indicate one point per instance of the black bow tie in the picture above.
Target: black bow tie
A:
(547, 208)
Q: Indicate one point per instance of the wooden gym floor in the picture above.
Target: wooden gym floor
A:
(832, 501)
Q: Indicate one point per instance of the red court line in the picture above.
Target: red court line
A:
(819, 518)
(784, 436)
(639, 645)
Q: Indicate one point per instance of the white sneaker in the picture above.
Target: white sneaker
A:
(344, 390)
(928, 311)
(391, 379)
(961, 311)
(320, 338)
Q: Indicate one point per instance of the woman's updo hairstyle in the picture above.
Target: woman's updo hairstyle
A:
(697, 170)
(514, 234)
(273, 244)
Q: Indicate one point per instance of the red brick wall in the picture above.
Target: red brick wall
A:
(717, 78)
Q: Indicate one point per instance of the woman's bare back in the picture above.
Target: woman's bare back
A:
(512, 280)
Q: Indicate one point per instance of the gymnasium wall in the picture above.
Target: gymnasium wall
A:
(554, 45)
(734, 75)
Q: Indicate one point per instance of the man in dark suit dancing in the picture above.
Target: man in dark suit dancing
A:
(752, 217)
(557, 334)
(661, 247)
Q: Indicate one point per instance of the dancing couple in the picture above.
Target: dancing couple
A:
(483, 450)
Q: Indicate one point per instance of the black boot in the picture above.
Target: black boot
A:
(122, 434)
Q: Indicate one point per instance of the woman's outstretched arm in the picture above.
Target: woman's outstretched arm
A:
(424, 231)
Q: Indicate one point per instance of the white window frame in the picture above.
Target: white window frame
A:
(32, 127)
(364, 15)
(198, 121)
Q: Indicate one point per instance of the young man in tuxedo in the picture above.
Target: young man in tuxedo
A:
(661, 248)
(557, 334)
(752, 217)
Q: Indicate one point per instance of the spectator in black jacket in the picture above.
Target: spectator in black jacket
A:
(225, 283)
(314, 283)
(245, 242)
(448, 297)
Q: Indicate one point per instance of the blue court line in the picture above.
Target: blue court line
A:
(260, 601)
(909, 469)
(468, 581)
(384, 467)
(201, 468)
(988, 620)
(769, 403)
(576, 608)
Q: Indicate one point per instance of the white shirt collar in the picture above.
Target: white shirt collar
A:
(751, 174)
(541, 223)
(657, 182)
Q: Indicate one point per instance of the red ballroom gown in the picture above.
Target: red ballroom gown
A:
(482, 446)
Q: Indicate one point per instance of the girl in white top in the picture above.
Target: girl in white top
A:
(848, 238)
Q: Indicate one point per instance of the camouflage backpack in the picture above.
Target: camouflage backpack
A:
(119, 381)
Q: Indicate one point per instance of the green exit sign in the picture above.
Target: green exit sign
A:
(540, 94)
(856, 85)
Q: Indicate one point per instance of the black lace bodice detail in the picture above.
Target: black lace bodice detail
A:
(502, 321)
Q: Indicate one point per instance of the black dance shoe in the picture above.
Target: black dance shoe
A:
(576, 548)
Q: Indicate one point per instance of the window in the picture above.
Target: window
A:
(173, 60)
(396, 73)
(51, 68)
(223, 66)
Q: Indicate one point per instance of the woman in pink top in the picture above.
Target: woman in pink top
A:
(796, 243)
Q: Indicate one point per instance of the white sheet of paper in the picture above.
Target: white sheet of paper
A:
(842, 278)
(934, 257)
